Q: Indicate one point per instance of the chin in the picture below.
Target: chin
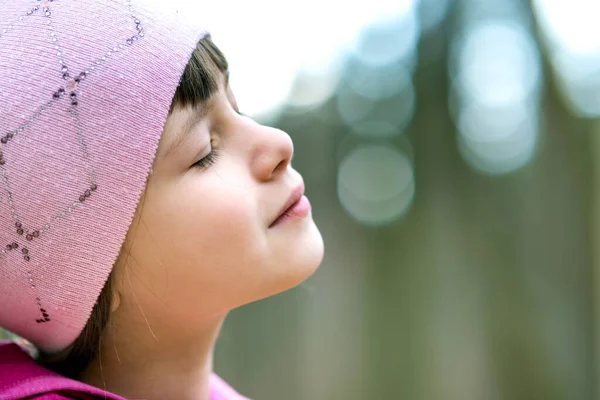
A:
(295, 261)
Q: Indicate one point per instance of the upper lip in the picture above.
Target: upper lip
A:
(293, 198)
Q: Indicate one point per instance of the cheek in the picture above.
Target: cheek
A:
(212, 233)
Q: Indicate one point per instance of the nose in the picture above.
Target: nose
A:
(273, 150)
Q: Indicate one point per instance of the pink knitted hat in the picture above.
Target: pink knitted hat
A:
(85, 88)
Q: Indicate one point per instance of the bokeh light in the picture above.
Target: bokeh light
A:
(498, 64)
(572, 34)
(496, 83)
(497, 147)
(376, 184)
(380, 116)
(390, 38)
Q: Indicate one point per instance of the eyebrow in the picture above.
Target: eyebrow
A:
(200, 112)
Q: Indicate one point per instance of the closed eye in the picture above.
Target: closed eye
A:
(211, 158)
(207, 161)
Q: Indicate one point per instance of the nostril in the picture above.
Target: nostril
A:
(281, 166)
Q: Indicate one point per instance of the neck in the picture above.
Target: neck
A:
(152, 364)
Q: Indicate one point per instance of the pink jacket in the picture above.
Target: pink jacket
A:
(22, 378)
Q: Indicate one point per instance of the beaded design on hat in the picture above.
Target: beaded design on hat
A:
(67, 92)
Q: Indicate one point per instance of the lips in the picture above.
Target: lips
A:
(292, 201)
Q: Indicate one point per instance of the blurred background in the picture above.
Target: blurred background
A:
(451, 152)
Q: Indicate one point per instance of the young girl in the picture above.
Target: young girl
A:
(138, 205)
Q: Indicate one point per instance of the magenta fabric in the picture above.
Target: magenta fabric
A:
(85, 88)
(22, 378)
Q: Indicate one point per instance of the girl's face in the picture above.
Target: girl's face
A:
(203, 241)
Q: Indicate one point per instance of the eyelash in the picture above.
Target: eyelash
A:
(207, 161)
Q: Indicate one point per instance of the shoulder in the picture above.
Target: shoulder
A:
(22, 378)
(221, 390)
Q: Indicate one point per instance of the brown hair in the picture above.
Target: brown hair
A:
(200, 80)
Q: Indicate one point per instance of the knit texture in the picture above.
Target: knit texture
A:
(85, 88)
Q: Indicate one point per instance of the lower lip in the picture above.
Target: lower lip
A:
(299, 210)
